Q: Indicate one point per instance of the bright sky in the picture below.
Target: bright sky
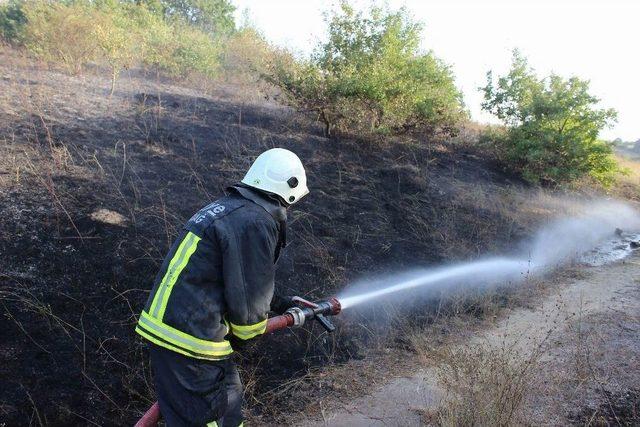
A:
(598, 40)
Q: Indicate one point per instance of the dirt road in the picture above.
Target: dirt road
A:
(606, 302)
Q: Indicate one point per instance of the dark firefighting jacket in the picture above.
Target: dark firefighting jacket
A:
(218, 278)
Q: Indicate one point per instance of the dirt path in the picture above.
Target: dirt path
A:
(610, 291)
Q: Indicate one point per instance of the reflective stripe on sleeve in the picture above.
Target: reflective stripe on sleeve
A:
(176, 265)
(245, 332)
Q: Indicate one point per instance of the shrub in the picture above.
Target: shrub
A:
(245, 54)
(157, 40)
(194, 51)
(214, 17)
(118, 34)
(117, 39)
(371, 76)
(552, 126)
(486, 385)
(179, 50)
(12, 20)
(60, 33)
(304, 86)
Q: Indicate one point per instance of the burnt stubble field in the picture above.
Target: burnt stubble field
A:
(93, 188)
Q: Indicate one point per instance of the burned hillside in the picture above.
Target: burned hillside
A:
(93, 189)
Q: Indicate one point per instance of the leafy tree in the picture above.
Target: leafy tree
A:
(117, 39)
(245, 54)
(212, 16)
(370, 75)
(12, 21)
(60, 33)
(552, 126)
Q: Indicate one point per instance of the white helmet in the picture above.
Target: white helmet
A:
(280, 172)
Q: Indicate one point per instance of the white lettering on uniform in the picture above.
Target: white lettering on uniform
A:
(212, 210)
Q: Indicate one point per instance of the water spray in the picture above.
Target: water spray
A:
(562, 240)
(480, 272)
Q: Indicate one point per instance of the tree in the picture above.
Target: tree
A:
(116, 36)
(371, 76)
(12, 21)
(552, 125)
(212, 16)
(60, 33)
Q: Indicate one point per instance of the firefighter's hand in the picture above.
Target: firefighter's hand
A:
(280, 304)
(239, 344)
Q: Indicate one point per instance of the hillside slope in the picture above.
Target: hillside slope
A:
(93, 189)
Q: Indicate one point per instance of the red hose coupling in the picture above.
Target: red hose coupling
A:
(336, 307)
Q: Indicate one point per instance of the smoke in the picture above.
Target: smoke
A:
(557, 242)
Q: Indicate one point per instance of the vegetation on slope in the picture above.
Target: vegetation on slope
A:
(371, 77)
(180, 39)
(552, 126)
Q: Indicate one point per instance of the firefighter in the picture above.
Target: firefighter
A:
(215, 288)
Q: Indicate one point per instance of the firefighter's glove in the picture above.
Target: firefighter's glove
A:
(280, 304)
(239, 344)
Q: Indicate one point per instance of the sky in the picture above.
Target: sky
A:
(594, 40)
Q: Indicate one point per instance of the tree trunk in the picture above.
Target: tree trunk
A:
(114, 76)
(327, 124)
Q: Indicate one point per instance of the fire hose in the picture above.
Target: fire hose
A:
(294, 317)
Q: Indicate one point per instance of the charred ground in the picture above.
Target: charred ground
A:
(94, 188)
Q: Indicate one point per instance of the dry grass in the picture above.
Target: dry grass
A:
(488, 382)
(485, 385)
(628, 186)
(602, 379)
(581, 369)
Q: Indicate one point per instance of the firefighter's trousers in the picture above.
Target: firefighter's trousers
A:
(195, 392)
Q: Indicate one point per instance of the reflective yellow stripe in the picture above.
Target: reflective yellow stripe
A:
(176, 349)
(161, 289)
(154, 340)
(162, 343)
(176, 265)
(182, 340)
(212, 424)
(246, 332)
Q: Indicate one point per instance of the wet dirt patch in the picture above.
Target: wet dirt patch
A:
(620, 246)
